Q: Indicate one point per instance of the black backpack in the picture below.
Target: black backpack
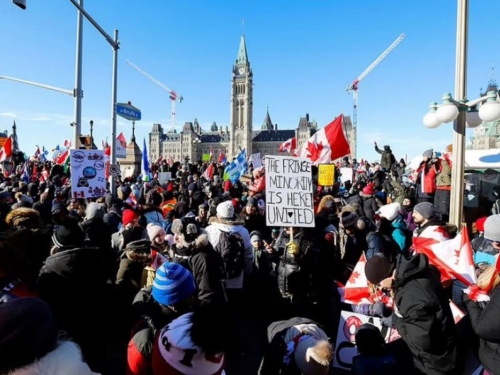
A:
(232, 249)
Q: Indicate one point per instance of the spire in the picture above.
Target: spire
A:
(267, 124)
(242, 58)
(15, 144)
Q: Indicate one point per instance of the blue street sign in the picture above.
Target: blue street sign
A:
(128, 111)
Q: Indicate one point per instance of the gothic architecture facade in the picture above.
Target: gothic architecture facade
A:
(487, 135)
(192, 142)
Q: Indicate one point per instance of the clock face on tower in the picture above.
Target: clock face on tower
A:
(241, 71)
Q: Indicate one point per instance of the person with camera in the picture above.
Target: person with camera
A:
(426, 177)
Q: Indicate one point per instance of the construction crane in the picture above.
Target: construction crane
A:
(173, 96)
(354, 86)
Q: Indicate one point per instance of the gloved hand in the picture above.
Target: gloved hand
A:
(379, 309)
(387, 322)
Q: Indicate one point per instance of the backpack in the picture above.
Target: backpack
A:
(232, 249)
(388, 247)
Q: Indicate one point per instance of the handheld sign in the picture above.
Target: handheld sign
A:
(289, 192)
(326, 175)
(346, 174)
(88, 173)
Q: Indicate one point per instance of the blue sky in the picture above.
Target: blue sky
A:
(303, 55)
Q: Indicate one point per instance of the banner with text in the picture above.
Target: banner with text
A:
(326, 175)
(88, 173)
(256, 160)
(289, 192)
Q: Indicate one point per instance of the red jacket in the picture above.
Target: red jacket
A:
(427, 180)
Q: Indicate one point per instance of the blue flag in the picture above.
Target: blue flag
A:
(145, 163)
(25, 177)
(237, 167)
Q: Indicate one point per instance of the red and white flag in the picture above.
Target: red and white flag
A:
(211, 153)
(6, 151)
(356, 290)
(452, 257)
(289, 145)
(158, 259)
(67, 143)
(122, 140)
(62, 158)
(456, 312)
(326, 145)
(209, 172)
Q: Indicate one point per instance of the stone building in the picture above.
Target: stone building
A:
(192, 142)
(487, 135)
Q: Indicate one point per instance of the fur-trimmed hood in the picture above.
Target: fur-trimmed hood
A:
(189, 247)
(22, 217)
(65, 359)
(232, 222)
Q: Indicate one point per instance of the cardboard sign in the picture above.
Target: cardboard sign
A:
(205, 157)
(346, 349)
(88, 173)
(326, 175)
(346, 174)
(163, 177)
(289, 192)
(256, 160)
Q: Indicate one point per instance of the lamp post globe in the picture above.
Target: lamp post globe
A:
(490, 111)
(448, 111)
(430, 119)
(472, 118)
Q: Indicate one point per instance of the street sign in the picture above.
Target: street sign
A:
(114, 170)
(128, 111)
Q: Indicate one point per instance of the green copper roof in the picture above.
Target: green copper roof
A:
(267, 124)
(242, 58)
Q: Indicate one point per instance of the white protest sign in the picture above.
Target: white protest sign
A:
(346, 349)
(163, 177)
(256, 160)
(289, 192)
(88, 173)
(345, 174)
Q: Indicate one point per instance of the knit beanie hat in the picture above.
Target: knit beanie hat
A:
(225, 210)
(389, 211)
(139, 246)
(378, 268)
(369, 189)
(155, 231)
(492, 228)
(68, 236)
(480, 223)
(313, 356)
(426, 209)
(128, 216)
(255, 236)
(428, 153)
(28, 332)
(172, 284)
(94, 211)
(348, 219)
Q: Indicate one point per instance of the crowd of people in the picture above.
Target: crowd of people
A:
(156, 279)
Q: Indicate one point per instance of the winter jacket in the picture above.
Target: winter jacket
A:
(387, 159)
(97, 233)
(427, 180)
(378, 178)
(113, 219)
(423, 316)
(279, 335)
(232, 226)
(65, 359)
(369, 206)
(151, 214)
(153, 317)
(207, 268)
(399, 234)
(175, 353)
(407, 217)
(73, 283)
(117, 243)
(443, 177)
(486, 325)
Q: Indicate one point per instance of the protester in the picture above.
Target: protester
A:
(422, 312)
(426, 180)
(392, 228)
(29, 341)
(387, 159)
(369, 205)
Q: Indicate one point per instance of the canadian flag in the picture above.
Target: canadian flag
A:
(289, 145)
(62, 158)
(452, 257)
(122, 140)
(67, 143)
(209, 172)
(6, 151)
(456, 312)
(327, 144)
(158, 259)
(356, 290)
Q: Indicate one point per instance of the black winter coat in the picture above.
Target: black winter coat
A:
(486, 325)
(424, 320)
(207, 267)
(369, 206)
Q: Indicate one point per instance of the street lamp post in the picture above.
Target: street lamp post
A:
(463, 113)
(77, 129)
